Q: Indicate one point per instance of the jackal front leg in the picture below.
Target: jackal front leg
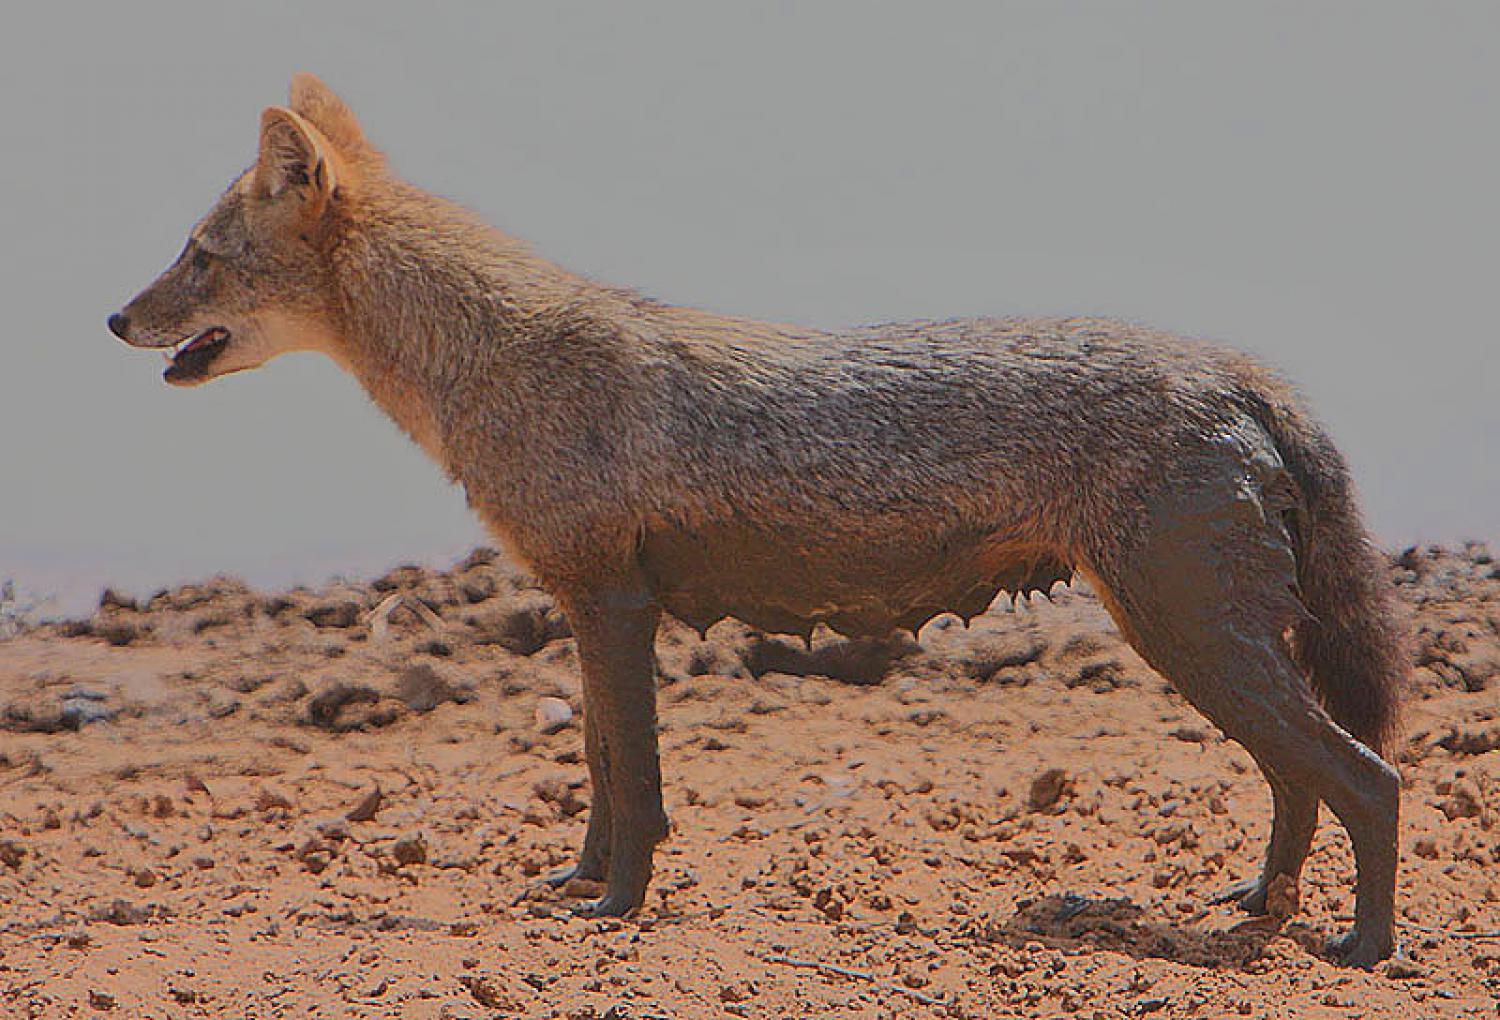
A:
(593, 859)
(616, 631)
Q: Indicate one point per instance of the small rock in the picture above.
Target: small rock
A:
(485, 991)
(315, 855)
(827, 902)
(101, 1000)
(367, 807)
(739, 991)
(271, 800)
(1047, 789)
(553, 715)
(991, 658)
(11, 853)
(117, 632)
(111, 599)
(329, 709)
(121, 912)
(1465, 801)
(1099, 675)
(1471, 741)
(78, 712)
(333, 613)
(526, 625)
(249, 683)
(334, 830)
(222, 704)
(476, 587)
(76, 709)
(1404, 968)
(409, 850)
(405, 577)
(562, 794)
(422, 689)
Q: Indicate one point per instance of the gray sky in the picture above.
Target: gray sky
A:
(1313, 182)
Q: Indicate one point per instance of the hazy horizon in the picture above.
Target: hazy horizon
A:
(1314, 184)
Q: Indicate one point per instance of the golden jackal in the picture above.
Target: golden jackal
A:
(640, 457)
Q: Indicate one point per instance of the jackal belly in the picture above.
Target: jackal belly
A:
(790, 580)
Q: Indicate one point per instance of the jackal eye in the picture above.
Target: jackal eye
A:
(201, 259)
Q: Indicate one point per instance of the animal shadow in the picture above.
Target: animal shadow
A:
(1119, 925)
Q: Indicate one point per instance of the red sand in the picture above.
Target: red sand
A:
(1017, 820)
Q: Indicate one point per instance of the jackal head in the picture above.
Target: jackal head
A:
(255, 278)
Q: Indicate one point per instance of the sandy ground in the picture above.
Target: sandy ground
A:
(1014, 820)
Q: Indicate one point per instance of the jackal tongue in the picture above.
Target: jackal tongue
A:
(193, 358)
(198, 340)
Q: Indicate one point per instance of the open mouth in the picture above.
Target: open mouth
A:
(195, 355)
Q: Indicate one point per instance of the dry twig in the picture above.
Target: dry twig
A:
(379, 618)
(1448, 933)
(833, 969)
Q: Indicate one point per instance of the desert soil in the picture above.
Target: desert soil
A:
(337, 803)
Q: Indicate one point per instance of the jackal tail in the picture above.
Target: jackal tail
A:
(1354, 650)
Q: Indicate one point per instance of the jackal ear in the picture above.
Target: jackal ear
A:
(319, 106)
(294, 158)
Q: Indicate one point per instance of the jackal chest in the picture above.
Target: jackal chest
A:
(790, 580)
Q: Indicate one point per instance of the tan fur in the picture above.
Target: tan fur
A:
(640, 456)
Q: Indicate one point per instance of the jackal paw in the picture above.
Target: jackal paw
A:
(1249, 896)
(609, 905)
(1356, 949)
(584, 870)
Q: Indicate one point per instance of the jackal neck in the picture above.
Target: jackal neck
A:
(435, 301)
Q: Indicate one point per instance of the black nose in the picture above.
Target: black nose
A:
(118, 325)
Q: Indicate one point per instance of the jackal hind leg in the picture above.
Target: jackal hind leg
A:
(1207, 599)
(1293, 823)
(615, 632)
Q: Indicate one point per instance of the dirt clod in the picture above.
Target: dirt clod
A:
(1048, 789)
(368, 806)
(421, 688)
(338, 708)
(409, 850)
(524, 625)
(334, 613)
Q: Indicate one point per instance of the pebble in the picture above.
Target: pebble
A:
(410, 850)
(1047, 789)
(367, 807)
(553, 715)
(1404, 968)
